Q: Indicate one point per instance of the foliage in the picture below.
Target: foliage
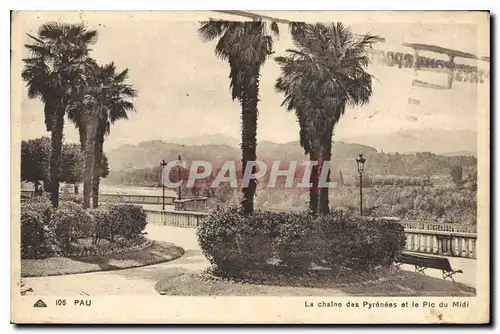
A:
(104, 166)
(367, 181)
(400, 181)
(245, 46)
(446, 204)
(72, 164)
(353, 242)
(37, 239)
(35, 155)
(55, 73)
(325, 72)
(129, 220)
(234, 243)
(456, 173)
(115, 221)
(68, 229)
(71, 222)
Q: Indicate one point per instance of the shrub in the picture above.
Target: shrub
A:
(219, 235)
(103, 222)
(47, 232)
(234, 243)
(78, 199)
(37, 240)
(295, 243)
(71, 222)
(356, 243)
(125, 220)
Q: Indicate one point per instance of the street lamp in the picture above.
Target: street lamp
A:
(179, 162)
(361, 167)
(163, 164)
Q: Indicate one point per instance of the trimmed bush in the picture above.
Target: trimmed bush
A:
(295, 241)
(37, 239)
(217, 238)
(128, 220)
(350, 242)
(71, 222)
(70, 230)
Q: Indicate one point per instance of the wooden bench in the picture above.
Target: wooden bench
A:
(422, 262)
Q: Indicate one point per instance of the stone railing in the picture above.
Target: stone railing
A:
(122, 198)
(136, 199)
(425, 237)
(174, 218)
(441, 238)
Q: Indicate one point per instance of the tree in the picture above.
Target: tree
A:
(456, 173)
(35, 155)
(104, 171)
(324, 74)
(246, 46)
(115, 106)
(72, 165)
(54, 72)
(104, 103)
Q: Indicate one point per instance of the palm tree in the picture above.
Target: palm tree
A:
(326, 72)
(246, 46)
(55, 73)
(104, 102)
(115, 106)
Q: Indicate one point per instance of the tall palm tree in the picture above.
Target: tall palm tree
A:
(55, 73)
(246, 46)
(105, 102)
(325, 73)
(115, 106)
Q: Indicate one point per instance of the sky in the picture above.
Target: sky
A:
(184, 88)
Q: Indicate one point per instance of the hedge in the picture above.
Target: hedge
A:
(49, 232)
(295, 241)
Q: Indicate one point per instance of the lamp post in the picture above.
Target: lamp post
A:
(361, 167)
(163, 164)
(179, 161)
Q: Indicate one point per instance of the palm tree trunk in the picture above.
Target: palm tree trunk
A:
(96, 177)
(55, 157)
(249, 101)
(314, 180)
(37, 187)
(326, 147)
(89, 162)
(76, 188)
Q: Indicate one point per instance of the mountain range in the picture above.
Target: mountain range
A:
(219, 148)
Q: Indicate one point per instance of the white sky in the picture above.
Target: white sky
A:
(184, 89)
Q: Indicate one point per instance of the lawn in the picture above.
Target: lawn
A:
(157, 252)
(392, 282)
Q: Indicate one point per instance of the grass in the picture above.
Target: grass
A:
(157, 252)
(390, 282)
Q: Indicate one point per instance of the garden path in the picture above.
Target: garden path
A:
(134, 281)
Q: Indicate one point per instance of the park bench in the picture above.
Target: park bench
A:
(422, 262)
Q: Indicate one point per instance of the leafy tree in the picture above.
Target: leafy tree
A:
(325, 73)
(72, 165)
(55, 73)
(246, 46)
(456, 173)
(35, 155)
(104, 170)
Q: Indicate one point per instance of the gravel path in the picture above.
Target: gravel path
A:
(136, 281)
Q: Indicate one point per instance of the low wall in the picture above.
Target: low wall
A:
(425, 237)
